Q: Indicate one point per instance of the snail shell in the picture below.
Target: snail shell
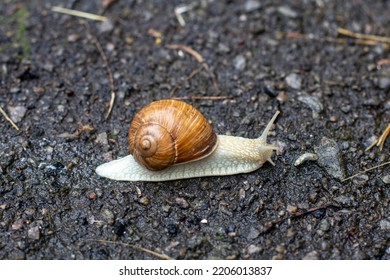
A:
(219, 155)
(169, 132)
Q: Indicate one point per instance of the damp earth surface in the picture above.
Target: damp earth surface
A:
(57, 73)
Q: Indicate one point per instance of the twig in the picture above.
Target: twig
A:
(376, 38)
(200, 59)
(328, 39)
(188, 78)
(8, 119)
(179, 10)
(366, 170)
(78, 13)
(110, 76)
(195, 97)
(161, 256)
(269, 225)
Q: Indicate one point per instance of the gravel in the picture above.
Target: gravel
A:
(264, 54)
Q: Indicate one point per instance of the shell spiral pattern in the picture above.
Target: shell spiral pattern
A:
(170, 132)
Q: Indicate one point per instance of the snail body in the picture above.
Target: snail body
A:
(224, 155)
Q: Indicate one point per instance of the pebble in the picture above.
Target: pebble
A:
(252, 5)
(292, 209)
(360, 179)
(383, 82)
(294, 81)
(313, 255)
(291, 232)
(324, 225)
(256, 27)
(106, 26)
(343, 199)
(239, 62)
(223, 48)
(312, 102)
(305, 157)
(144, 200)
(101, 139)
(182, 202)
(92, 195)
(384, 224)
(386, 179)
(329, 158)
(108, 216)
(18, 224)
(17, 113)
(287, 11)
(253, 249)
(34, 233)
(253, 233)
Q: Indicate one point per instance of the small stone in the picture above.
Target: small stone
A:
(370, 141)
(252, 5)
(241, 194)
(281, 249)
(384, 224)
(344, 200)
(39, 90)
(324, 225)
(166, 208)
(204, 221)
(253, 233)
(253, 249)
(292, 209)
(256, 27)
(291, 232)
(329, 157)
(108, 216)
(144, 200)
(33, 233)
(312, 102)
(73, 37)
(239, 62)
(346, 109)
(182, 202)
(18, 224)
(106, 26)
(204, 185)
(287, 11)
(102, 139)
(383, 82)
(305, 157)
(17, 113)
(360, 179)
(325, 245)
(107, 156)
(15, 90)
(48, 66)
(222, 48)
(294, 81)
(313, 255)
(92, 195)
(386, 179)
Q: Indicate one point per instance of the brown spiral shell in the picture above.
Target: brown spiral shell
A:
(168, 132)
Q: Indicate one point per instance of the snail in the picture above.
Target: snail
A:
(171, 140)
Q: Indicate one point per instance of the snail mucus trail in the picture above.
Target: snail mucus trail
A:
(171, 140)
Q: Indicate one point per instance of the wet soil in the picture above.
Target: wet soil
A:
(266, 56)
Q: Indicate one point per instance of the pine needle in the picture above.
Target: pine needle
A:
(9, 119)
(161, 256)
(365, 171)
(77, 13)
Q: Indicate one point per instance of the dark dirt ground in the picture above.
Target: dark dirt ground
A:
(55, 85)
